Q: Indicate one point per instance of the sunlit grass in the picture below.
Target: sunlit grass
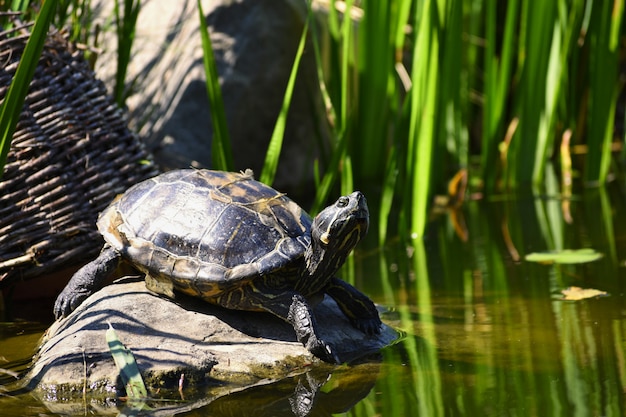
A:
(221, 153)
(425, 88)
(125, 23)
(276, 141)
(11, 107)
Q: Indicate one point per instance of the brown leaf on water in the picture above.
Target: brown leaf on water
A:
(577, 293)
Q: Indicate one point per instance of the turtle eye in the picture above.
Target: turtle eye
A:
(342, 202)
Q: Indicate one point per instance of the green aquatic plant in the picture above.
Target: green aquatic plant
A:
(125, 24)
(11, 107)
(276, 141)
(221, 153)
(127, 366)
(565, 256)
(419, 90)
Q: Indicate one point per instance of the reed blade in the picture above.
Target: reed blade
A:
(11, 107)
(221, 153)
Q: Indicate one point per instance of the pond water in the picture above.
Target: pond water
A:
(485, 331)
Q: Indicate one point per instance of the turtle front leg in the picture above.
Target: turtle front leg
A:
(303, 321)
(355, 305)
(294, 308)
(86, 281)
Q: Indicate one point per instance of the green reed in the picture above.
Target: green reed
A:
(420, 90)
(276, 141)
(125, 22)
(221, 153)
(416, 91)
(605, 34)
(11, 107)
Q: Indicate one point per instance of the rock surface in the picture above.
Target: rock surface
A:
(208, 344)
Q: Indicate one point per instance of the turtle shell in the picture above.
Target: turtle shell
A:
(206, 232)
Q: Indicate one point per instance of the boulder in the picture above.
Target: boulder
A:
(255, 43)
(185, 340)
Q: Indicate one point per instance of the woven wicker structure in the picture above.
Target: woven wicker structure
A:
(70, 155)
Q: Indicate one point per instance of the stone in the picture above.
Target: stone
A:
(255, 43)
(210, 345)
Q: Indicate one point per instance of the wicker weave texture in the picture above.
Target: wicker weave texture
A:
(71, 154)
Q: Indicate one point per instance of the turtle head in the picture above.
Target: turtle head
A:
(336, 230)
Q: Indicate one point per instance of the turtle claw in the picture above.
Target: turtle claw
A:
(370, 326)
(66, 302)
(324, 351)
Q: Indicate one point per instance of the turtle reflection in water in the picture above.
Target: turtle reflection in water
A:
(235, 242)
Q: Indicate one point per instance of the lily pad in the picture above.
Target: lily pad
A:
(565, 256)
(577, 293)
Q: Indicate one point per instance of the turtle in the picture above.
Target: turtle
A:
(232, 241)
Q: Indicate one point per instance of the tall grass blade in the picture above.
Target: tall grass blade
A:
(368, 126)
(423, 115)
(498, 73)
(221, 153)
(347, 187)
(528, 147)
(331, 116)
(347, 51)
(400, 24)
(452, 133)
(11, 107)
(605, 29)
(125, 36)
(330, 176)
(15, 7)
(331, 64)
(276, 142)
(339, 102)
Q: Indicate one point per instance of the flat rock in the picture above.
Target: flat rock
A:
(208, 344)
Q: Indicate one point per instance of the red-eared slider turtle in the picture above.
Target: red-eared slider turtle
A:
(235, 242)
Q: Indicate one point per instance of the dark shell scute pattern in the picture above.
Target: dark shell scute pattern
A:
(207, 224)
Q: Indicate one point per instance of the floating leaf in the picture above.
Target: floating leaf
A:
(125, 362)
(566, 256)
(577, 293)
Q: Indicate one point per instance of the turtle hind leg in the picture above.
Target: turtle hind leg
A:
(160, 285)
(294, 308)
(86, 281)
(355, 305)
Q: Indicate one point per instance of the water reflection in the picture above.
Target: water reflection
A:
(316, 393)
(487, 333)
(510, 359)
(490, 333)
(322, 391)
